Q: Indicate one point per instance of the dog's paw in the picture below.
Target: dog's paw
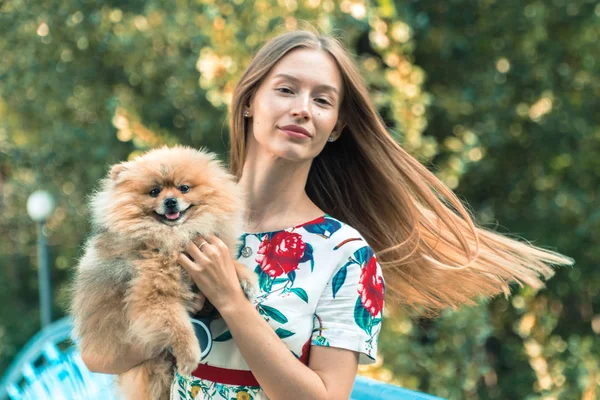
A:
(249, 289)
(248, 280)
(187, 357)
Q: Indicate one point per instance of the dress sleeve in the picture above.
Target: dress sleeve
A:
(349, 311)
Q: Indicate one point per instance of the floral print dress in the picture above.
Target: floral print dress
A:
(320, 285)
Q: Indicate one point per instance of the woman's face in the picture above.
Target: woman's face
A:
(296, 107)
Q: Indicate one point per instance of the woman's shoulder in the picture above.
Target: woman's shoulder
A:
(328, 227)
(340, 238)
(325, 238)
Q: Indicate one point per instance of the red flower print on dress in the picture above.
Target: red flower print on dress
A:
(305, 352)
(370, 288)
(317, 221)
(281, 254)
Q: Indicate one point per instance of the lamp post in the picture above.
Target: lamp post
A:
(40, 206)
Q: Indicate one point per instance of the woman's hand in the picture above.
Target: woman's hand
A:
(211, 267)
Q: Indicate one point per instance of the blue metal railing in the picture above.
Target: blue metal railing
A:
(42, 371)
(370, 389)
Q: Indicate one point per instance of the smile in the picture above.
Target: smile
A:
(296, 131)
(171, 217)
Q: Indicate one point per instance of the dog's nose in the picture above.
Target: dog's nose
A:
(171, 203)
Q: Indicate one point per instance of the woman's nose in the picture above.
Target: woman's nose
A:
(300, 108)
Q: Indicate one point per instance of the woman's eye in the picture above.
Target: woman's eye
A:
(285, 90)
(154, 192)
(184, 188)
(323, 101)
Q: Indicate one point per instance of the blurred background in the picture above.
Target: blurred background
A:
(498, 97)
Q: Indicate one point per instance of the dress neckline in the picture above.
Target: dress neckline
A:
(289, 228)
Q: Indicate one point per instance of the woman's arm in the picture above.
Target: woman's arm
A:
(130, 357)
(330, 374)
(127, 359)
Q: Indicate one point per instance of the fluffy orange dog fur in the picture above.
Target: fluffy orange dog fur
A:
(128, 288)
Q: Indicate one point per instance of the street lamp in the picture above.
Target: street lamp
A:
(40, 206)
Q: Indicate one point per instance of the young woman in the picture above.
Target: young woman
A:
(327, 189)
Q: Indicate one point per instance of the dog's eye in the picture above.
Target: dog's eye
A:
(184, 188)
(154, 192)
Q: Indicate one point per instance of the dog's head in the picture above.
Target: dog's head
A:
(166, 195)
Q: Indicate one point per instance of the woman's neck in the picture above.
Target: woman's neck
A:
(275, 194)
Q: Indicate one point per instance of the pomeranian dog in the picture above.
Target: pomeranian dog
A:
(128, 288)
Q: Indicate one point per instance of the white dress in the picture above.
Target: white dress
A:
(320, 285)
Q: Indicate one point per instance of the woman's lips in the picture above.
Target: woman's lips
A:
(296, 131)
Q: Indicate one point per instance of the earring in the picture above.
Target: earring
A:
(246, 113)
(331, 139)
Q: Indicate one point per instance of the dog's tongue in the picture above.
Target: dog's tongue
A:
(172, 215)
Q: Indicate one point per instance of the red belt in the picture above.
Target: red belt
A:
(231, 376)
(224, 375)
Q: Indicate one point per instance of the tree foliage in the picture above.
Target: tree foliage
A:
(498, 98)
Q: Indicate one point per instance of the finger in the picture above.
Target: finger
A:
(195, 252)
(213, 238)
(203, 245)
(186, 263)
(204, 238)
(217, 242)
(222, 246)
(199, 240)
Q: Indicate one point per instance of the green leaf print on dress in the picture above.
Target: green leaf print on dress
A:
(272, 313)
(292, 277)
(324, 227)
(308, 256)
(340, 278)
(319, 340)
(284, 333)
(362, 317)
(363, 255)
(265, 282)
(300, 293)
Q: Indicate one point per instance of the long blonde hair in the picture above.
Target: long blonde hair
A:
(431, 252)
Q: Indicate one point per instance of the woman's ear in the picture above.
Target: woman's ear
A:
(248, 105)
(337, 130)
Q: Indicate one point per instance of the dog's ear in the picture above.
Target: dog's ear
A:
(116, 170)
